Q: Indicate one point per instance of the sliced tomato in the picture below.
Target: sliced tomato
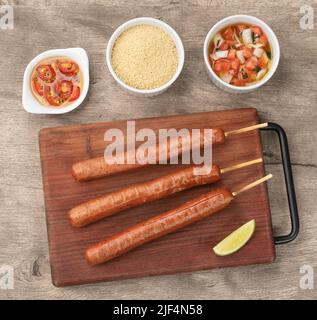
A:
(228, 34)
(38, 87)
(75, 94)
(52, 98)
(232, 54)
(256, 30)
(222, 65)
(240, 28)
(247, 52)
(68, 67)
(64, 89)
(252, 63)
(46, 73)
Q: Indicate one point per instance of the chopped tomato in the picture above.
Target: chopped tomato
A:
(232, 54)
(256, 30)
(64, 89)
(224, 46)
(75, 94)
(241, 65)
(240, 28)
(222, 65)
(252, 63)
(246, 75)
(238, 82)
(247, 52)
(228, 34)
(262, 62)
(263, 39)
(38, 87)
(52, 98)
(67, 67)
(46, 73)
(235, 65)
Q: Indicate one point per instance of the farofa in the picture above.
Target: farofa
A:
(144, 57)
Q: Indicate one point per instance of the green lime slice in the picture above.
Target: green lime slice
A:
(236, 240)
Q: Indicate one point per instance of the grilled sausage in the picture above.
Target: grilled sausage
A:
(140, 193)
(159, 226)
(98, 167)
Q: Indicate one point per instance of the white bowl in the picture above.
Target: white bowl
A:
(165, 27)
(31, 104)
(272, 40)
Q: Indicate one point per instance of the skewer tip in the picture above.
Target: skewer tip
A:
(251, 128)
(253, 184)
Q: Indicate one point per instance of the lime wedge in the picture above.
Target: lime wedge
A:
(236, 240)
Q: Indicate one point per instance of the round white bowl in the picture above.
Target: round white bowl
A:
(272, 40)
(31, 104)
(165, 27)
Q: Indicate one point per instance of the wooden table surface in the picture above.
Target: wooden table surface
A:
(288, 99)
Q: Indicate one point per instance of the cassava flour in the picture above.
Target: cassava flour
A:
(144, 57)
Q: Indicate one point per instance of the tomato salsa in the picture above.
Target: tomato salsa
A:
(57, 82)
(240, 54)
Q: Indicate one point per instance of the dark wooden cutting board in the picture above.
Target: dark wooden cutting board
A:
(189, 249)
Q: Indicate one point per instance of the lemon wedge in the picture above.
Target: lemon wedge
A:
(236, 240)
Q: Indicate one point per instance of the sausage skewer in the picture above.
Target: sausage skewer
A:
(97, 167)
(140, 193)
(165, 223)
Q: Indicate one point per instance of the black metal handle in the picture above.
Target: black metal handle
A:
(289, 182)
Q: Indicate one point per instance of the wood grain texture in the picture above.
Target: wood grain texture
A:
(188, 249)
(288, 99)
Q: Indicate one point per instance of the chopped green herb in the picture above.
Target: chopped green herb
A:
(244, 76)
(253, 37)
(218, 42)
(257, 69)
(269, 55)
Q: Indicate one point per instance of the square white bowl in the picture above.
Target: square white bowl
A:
(31, 104)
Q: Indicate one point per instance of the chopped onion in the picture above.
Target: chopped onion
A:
(258, 52)
(247, 36)
(221, 54)
(261, 74)
(237, 38)
(240, 56)
(265, 58)
(254, 46)
(218, 40)
(226, 77)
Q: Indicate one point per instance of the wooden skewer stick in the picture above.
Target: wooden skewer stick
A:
(252, 185)
(241, 165)
(255, 127)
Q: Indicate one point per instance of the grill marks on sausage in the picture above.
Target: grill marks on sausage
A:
(159, 226)
(139, 194)
(97, 167)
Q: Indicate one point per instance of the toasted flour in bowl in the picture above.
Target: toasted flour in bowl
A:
(144, 57)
